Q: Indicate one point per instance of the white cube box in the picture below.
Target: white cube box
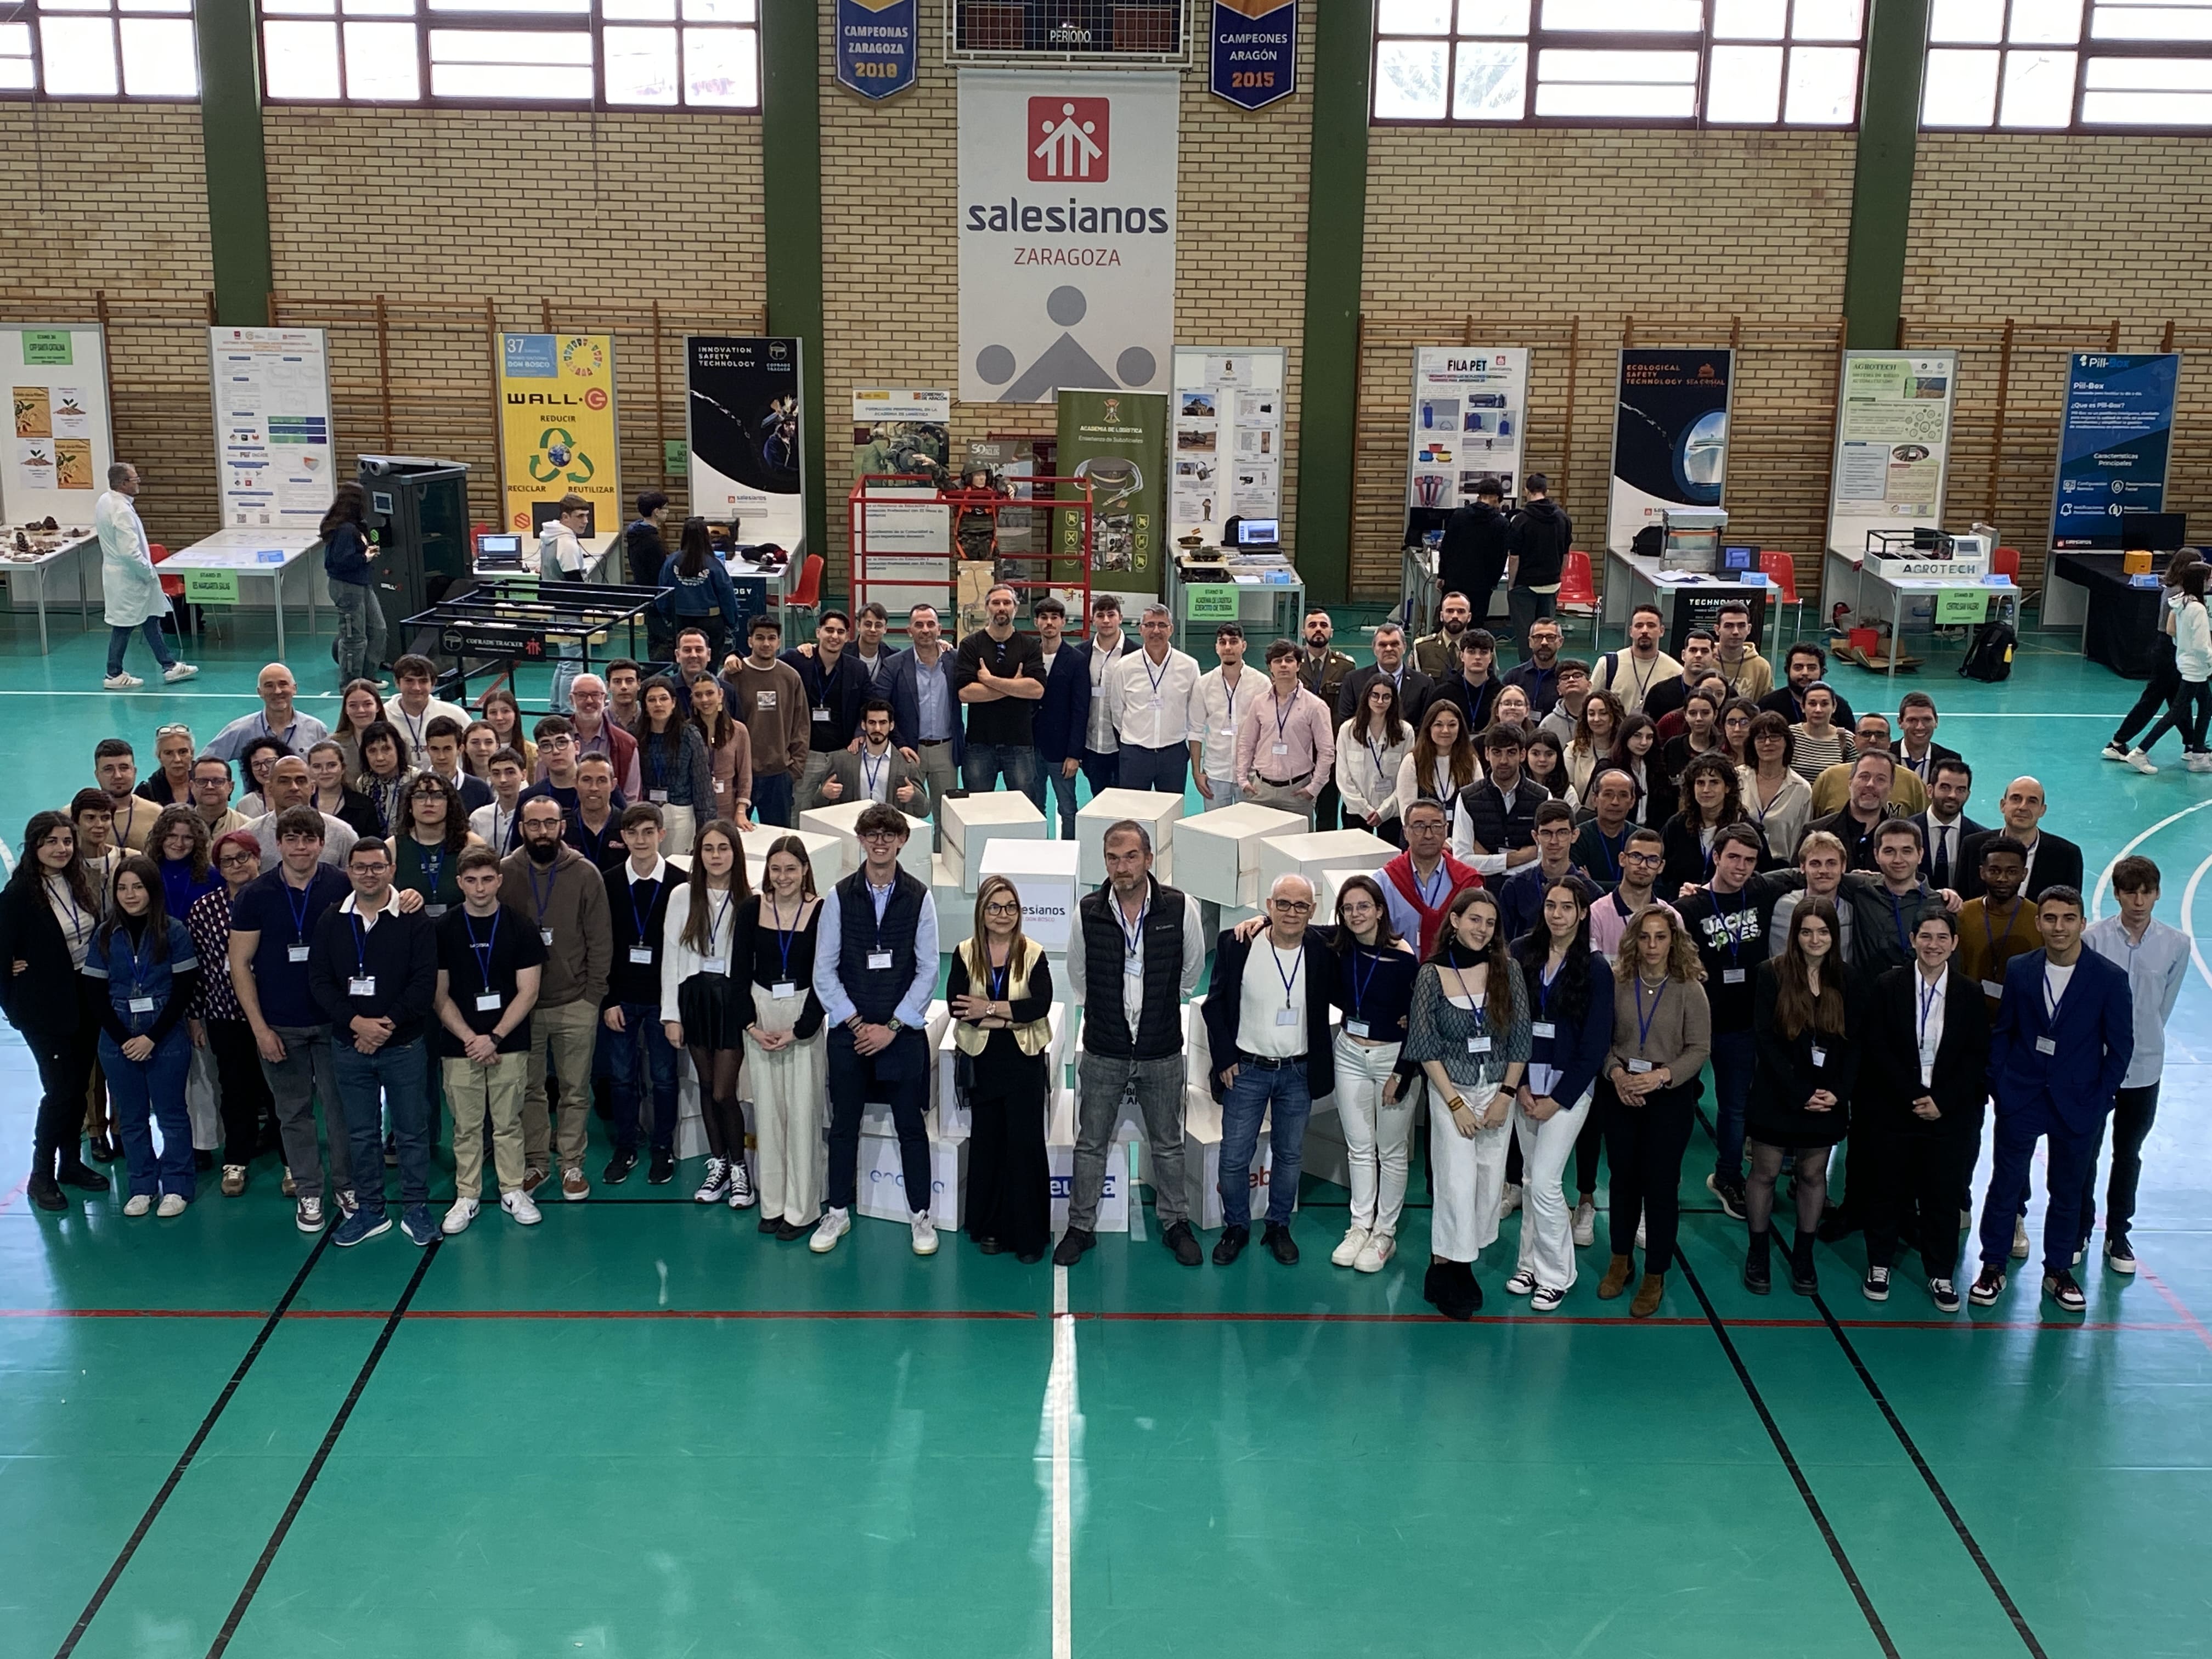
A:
(955, 908)
(1201, 1163)
(953, 1114)
(1155, 809)
(1044, 875)
(1219, 851)
(838, 823)
(875, 1115)
(1059, 1156)
(973, 821)
(1314, 855)
(881, 1190)
(828, 855)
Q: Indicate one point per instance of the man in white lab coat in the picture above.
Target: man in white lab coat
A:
(131, 590)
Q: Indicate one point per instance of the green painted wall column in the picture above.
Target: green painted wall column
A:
(1336, 229)
(236, 164)
(1881, 182)
(791, 198)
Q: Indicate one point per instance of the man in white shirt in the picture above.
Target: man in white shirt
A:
(494, 825)
(130, 592)
(1148, 694)
(289, 785)
(1102, 747)
(412, 708)
(1632, 674)
(278, 718)
(1213, 720)
(869, 623)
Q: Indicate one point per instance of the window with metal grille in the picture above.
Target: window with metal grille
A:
(1644, 62)
(1069, 31)
(611, 54)
(2051, 66)
(99, 49)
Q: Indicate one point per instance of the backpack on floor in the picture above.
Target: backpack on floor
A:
(1989, 656)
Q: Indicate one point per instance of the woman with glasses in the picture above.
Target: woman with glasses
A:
(1375, 1086)
(1370, 747)
(334, 797)
(255, 761)
(426, 848)
(218, 1022)
(1734, 728)
(1778, 801)
(787, 1056)
(1000, 993)
(49, 912)
(703, 1004)
(147, 976)
(178, 847)
(672, 764)
(386, 770)
(1469, 1032)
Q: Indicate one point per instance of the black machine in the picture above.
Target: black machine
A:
(502, 624)
(418, 517)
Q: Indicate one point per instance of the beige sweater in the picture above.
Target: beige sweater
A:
(1681, 1034)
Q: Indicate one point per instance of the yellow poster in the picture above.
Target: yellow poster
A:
(556, 399)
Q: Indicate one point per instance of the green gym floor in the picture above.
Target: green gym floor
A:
(642, 1430)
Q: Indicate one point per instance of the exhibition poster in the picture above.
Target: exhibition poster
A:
(1066, 208)
(1228, 426)
(741, 403)
(2113, 443)
(1669, 437)
(1011, 462)
(1118, 441)
(62, 447)
(273, 448)
(1256, 50)
(1893, 444)
(556, 403)
(1470, 413)
(906, 432)
(876, 46)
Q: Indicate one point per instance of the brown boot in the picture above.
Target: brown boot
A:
(1648, 1296)
(1618, 1272)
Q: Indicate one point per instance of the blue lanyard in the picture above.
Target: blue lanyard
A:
(1989, 934)
(872, 775)
(1161, 675)
(1230, 692)
(1897, 921)
(77, 933)
(636, 919)
(482, 951)
(1545, 975)
(1358, 985)
(2050, 1007)
(541, 900)
(714, 927)
(131, 955)
(1290, 980)
(434, 869)
(784, 935)
(996, 978)
(1927, 993)
(880, 905)
(1421, 888)
(360, 943)
(300, 910)
(1613, 850)
(1734, 935)
(1283, 714)
(1133, 939)
(1643, 1019)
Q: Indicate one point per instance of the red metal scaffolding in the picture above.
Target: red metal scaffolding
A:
(1045, 567)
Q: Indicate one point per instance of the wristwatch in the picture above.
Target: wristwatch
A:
(893, 1026)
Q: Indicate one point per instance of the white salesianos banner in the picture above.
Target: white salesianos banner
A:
(1067, 204)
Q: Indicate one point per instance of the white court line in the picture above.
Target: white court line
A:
(2188, 922)
(1060, 1406)
(2105, 876)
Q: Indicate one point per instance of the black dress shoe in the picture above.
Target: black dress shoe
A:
(100, 1149)
(83, 1177)
(1230, 1245)
(1029, 1258)
(46, 1195)
(663, 1169)
(618, 1168)
(990, 1247)
(770, 1224)
(1184, 1243)
(787, 1231)
(201, 1161)
(1072, 1243)
(1280, 1244)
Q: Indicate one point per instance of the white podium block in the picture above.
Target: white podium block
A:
(972, 822)
(1218, 852)
(875, 1115)
(881, 1188)
(832, 856)
(1201, 1163)
(1314, 855)
(955, 908)
(1059, 1156)
(953, 1118)
(836, 823)
(1155, 809)
(1044, 875)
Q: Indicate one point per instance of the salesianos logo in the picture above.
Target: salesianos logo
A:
(1069, 138)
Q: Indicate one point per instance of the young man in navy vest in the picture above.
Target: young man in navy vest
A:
(874, 968)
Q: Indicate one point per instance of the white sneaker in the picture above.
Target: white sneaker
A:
(1509, 1200)
(179, 670)
(1523, 1283)
(172, 1204)
(1639, 1233)
(2115, 752)
(139, 1205)
(1585, 1224)
(1378, 1250)
(2020, 1240)
(925, 1235)
(2142, 761)
(348, 1201)
(121, 683)
(742, 1196)
(834, 1225)
(1355, 1241)
(1545, 1297)
(458, 1219)
(309, 1216)
(523, 1207)
(717, 1183)
(2199, 763)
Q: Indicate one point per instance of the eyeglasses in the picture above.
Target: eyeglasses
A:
(1005, 908)
(1291, 906)
(1644, 859)
(161, 731)
(229, 859)
(879, 835)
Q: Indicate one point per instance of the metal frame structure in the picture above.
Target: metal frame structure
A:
(966, 21)
(504, 623)
(1044, 499)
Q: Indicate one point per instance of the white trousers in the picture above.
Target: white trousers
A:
(1547, 1239)
(1470, 1177)
(1375, 1134)
(678, 825)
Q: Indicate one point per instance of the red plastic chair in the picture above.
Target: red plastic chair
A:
(807, 596)
(2005, 561)
(1780, 569)
(173, 587)
(1578, 593)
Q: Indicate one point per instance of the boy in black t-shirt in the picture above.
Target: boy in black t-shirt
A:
(489, 959)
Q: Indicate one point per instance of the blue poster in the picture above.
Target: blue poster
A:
(2113, 444)
(876, 46)
(1256, 50)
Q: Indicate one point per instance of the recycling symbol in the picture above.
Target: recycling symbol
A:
(556, 456)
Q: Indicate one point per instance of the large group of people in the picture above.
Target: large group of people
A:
(1605, 876)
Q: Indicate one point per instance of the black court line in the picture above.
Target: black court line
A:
(1790, 1461)
(322, 1456)
(1935, 1487)
(191, 1449)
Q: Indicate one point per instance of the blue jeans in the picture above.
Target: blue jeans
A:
(118, 638)
(1063, 796)
(1164, 769)
(153, 1088)
(640, 1025)
(987, 762)
(1256, 1090)
(360, 648)
(395, 1072)
(1735, 1056)
(772, 799)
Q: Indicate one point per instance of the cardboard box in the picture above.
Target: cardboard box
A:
(1218, 852)
(972, 822)
(1044, 874)
(836, 823)
(1113, 1195)
(1314, 855)
(881, 1186)
(1155, 809)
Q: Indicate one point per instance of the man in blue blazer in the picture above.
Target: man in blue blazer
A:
(1063, 732)
(2064, 1034)
(926, 709)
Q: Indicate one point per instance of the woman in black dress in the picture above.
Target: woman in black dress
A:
(1000, 993)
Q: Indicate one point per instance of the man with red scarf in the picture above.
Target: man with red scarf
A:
(1418, 884)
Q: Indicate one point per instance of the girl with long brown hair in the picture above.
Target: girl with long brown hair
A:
(703, 1007)
(1442, 761)
(787, 1056)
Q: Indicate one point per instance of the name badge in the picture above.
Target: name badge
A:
(1991, 988)
(658, 795)
(434, 910)
(1543, 1028)
(820, 716)
(142, 1005)
(545, 934)
(642, 955)
(1132, 966)
(488, 1003)
(1279, 749)
(1819, 1057)
(362, 985)
(1286, 1016)
(1477, 1045)
(1732, 975)
(714, 964)
(1356, 1027)
(1156, 702)
(879, 959)
(2046, 1045)
(296, 952)
(783, 990)
(1638, 1067)
(764, 700)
